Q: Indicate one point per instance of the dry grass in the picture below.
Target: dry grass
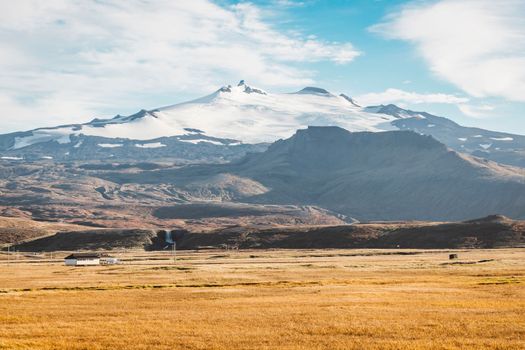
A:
(331, 299)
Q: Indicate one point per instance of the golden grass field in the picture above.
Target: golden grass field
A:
(279, 299)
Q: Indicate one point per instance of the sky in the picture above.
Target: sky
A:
(69, 61)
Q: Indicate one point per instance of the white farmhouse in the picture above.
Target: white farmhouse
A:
(82, 259)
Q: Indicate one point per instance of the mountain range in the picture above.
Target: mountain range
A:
(242, 155)
(240, 119)
(395, 175)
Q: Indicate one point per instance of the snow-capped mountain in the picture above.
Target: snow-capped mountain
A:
(253, 115)
(501, 147)
(239, 112)
(229, 122)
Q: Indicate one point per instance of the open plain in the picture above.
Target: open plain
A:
(286, 299)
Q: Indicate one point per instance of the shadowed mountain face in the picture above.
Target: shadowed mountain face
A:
(385, 176)
(394, 175)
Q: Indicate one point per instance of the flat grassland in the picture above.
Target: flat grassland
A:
(277, 299)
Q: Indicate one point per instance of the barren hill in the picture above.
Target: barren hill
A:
(18, 230)
(490, 232)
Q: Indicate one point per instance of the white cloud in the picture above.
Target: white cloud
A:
(68, 60)
(402, 97)
(289, 3)
(476, 111)
(478, 45)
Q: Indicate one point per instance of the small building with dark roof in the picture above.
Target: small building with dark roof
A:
(82, 259)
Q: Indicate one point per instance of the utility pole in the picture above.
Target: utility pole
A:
(174, 251)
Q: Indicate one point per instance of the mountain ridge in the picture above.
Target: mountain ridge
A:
(241, 115)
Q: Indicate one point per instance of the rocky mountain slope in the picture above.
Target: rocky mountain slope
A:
(76, 194)
(396, 175)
